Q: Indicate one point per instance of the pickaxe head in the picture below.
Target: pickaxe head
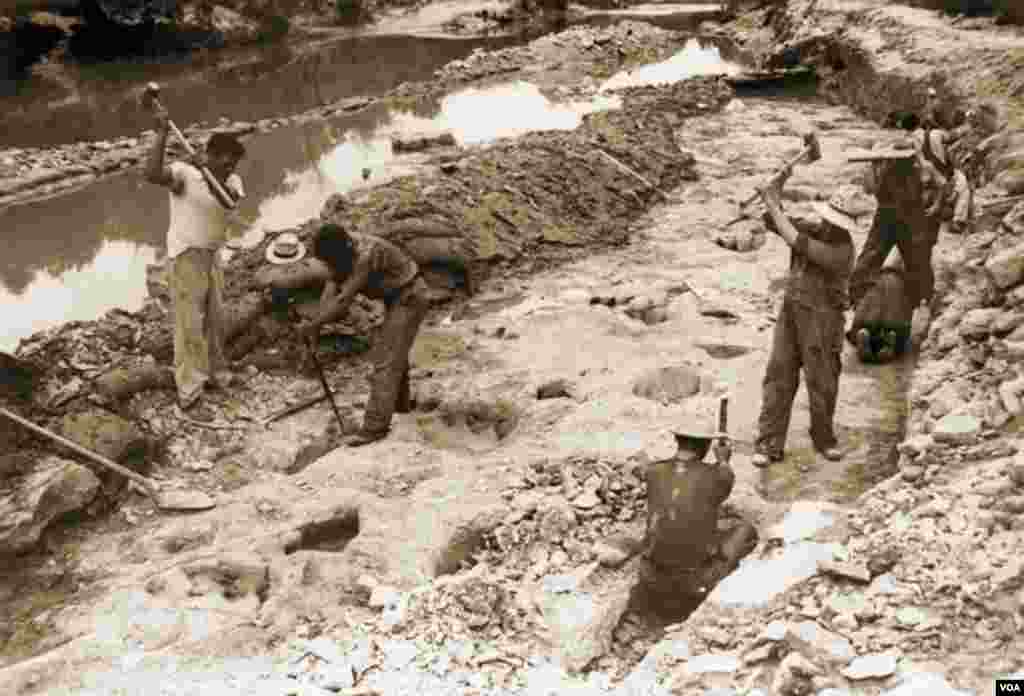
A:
(812, 146)
(151, 95)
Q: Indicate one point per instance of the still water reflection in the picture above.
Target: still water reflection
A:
(79, 255)
(74, 102)
(696, 58)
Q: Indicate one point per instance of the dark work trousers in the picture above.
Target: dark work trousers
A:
(915, 238)
(810, 338)
(389, 383)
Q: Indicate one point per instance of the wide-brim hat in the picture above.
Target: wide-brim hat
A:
(286, 248)
(843, 209)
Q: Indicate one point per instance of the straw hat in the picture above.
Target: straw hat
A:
(286, 248)
(843, 209)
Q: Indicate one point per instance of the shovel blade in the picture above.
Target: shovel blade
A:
(185, 500)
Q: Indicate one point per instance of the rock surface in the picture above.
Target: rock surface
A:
(54, 488)
(668, 385)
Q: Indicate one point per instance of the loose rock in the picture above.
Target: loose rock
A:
(957, 429)
(668, 385)
(870, 667)
(56, 487)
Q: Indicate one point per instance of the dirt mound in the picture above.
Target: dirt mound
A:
(529, 202)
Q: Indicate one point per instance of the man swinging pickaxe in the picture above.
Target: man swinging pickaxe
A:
(810, 153)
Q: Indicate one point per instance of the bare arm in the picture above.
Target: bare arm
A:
(334, 307)
(834, 257)
(157, 172)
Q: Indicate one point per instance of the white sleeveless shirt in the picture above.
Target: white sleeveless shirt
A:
(198, 220)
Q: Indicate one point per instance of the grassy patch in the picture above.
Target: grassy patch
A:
(505, 409)
(233, 476)
(433, 349)
(27, 636)
(785, 479)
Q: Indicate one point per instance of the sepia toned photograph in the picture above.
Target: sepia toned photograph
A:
(511, 347)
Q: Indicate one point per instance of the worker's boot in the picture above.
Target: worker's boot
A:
(365, 437)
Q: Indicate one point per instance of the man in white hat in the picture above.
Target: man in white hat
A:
(198, 228)
(809, 330)
(379, 270)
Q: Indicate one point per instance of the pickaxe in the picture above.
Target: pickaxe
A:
(810, 153)
(151, 99)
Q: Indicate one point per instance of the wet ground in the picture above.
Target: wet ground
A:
(59, 271)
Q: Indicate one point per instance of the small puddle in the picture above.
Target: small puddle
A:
(698, 57)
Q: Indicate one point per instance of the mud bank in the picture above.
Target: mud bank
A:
(917, 588)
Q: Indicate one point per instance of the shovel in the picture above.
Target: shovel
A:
(323, 381)
(151, 97)
(165, 500)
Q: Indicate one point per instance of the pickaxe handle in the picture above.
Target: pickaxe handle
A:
(225, 198)
(789, 166)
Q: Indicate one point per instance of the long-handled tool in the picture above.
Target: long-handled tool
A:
(289, 410)
(810, 153)
(323, 380)
(165, 500)
(723, 443)
(622, 167)
(151, 98)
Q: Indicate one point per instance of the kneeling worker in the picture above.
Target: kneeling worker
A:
(882, 320)
(381, 271)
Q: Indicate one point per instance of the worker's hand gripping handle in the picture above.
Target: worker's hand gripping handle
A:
(723, 445)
